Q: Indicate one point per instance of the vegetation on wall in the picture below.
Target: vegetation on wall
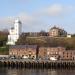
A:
(68, 43)
(4, 50)
(3, 39)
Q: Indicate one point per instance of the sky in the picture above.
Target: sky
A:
(37, 15)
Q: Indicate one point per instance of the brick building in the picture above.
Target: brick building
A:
(33, 52)
(57, 32)
(48, 52)
(68, 55)
(25, 51)
(42, 54)
(55, 52)
(59, 53)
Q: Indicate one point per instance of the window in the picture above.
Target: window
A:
(63, 53)
(56, 52)
(67, 56)
(48, 53)
(51, 52)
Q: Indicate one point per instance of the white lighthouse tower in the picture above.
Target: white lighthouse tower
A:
(14, 32)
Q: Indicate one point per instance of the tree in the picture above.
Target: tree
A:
(43, 33)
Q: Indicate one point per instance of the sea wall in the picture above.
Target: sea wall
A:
(38, 64)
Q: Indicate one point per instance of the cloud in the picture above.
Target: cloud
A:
(28, 21)
(55, 10)
(38, 19)
(5, 22)
(25, 18)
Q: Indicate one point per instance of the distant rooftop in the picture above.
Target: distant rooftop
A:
(55, 27)
(23, 46)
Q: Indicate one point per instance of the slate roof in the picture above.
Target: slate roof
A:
(22, 46)
(55, 27)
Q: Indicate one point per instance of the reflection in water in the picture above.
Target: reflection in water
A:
(10, 71)
(52, 72)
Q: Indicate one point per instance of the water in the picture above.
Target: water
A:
(9, 71)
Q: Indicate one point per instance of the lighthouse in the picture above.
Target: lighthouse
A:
(14, 32)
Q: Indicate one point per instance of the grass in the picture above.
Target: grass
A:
(4, 50)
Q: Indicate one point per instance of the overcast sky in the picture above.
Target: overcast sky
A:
(38, 15)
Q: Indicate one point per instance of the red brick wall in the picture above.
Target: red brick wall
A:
(23, 52)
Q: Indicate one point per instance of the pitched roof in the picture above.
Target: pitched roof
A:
(54, 27)
(22, 46)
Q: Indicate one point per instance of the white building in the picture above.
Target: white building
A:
(14, 32)
(69, 36)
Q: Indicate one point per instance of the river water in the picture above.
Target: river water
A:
(10, 71)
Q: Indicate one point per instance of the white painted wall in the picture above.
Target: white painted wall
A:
(15, 32)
